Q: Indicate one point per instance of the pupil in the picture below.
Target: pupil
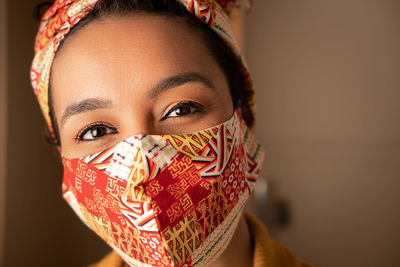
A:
(183, 111)
(96, 132)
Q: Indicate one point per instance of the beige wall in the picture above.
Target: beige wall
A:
(327, 75)
(41, 230)
(3, 95)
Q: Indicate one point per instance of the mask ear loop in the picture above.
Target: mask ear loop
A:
(239, 105)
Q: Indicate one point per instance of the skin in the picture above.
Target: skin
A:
(124, 76)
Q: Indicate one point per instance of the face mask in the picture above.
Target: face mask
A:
(167, 200)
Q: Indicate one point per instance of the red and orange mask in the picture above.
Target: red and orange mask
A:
(167, 200)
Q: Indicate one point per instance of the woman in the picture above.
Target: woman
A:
(148, 103)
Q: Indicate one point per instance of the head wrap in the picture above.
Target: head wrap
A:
(63, 15)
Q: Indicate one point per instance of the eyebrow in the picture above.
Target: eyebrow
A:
(91, 104)
(85, 105)
(177, 80)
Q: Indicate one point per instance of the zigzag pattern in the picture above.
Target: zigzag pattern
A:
(100, 160)
(191, 144)
(213, 159)
(140, 214)
(181, 240)
(204, 10)
(254, 156)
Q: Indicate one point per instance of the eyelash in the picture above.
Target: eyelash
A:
(91, 127)
(186, 104)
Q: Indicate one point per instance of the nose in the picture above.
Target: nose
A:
(138, 121)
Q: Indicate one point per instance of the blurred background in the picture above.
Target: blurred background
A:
(327, 77)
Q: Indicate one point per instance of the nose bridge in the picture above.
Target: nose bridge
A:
(139, 122)
(136, 113)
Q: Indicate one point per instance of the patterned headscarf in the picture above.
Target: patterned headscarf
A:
(63, 15)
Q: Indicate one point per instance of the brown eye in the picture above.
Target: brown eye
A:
(95, 131)
(183, 109)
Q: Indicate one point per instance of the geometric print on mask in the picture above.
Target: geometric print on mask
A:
(100, 160)
(254, 154)
(159, 202)
(212, 160)
(194, 196)
(181, 240)
(191, 144)
(126, 225)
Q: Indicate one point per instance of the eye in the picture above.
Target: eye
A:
(183, 109)
(95, 131)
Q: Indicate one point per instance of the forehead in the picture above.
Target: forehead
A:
(140, 42)
(133, 51)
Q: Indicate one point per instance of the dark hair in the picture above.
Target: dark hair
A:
(225, 57)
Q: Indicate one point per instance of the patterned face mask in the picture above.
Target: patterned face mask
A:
(167, 200)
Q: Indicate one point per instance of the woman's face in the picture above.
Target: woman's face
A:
(144, 74)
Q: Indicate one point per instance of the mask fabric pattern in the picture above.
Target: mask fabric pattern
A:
(167, 200)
